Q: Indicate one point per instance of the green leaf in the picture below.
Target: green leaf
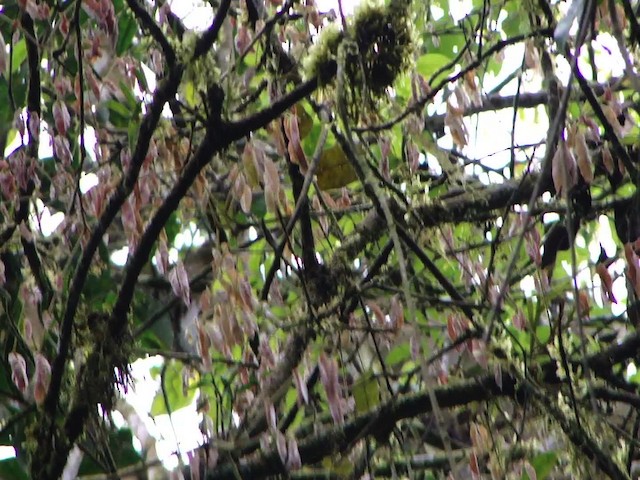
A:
(132, 133)
(521, 338)
(398, 354)
(512, 24)
(142, 79)
(127, 26)
(190, 94)
(97, 287)
(133, 103)
(635, 378)
(544, 464)
(366, 393)
(173, 388)
(543, 334)
(19, 55)
(259, 206)
(13, 469)
(430, 63)
(172, 228)
(121, 451)
(448, 44)
(334, 169)
(119, 108)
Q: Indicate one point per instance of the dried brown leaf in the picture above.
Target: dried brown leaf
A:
(19, 371)
(329, 377)
(42, 377)
(583, 157)
(606, 281)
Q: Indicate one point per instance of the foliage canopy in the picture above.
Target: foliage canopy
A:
(361, 293)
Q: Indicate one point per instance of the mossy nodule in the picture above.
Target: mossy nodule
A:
(384, 47)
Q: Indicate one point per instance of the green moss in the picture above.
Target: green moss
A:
(384, 39)
(201, 71)
(383, 48)
(322, 54)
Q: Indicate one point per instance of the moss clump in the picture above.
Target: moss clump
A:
(384, 40)
(320, 63)
(383, 49)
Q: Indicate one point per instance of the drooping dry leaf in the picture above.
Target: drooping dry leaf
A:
(396, 313)
(593, 131)
(329, 377)
(19, 371)
(179, 281)
(471, 88)
(294, 462)
(270, 414)
(162, 254)
(473, 466)
(33, 124)
(526, 466)
(61, 117)
(294, 147)
(606, 281)
(252, 171)
(612, 118)
(271, 182)
(246, 198)
(583, 304)
(480, 438)
(563, 169)
(61, 150)
(281, 445)
(42, 377)
(305, 122)
(454, 120)
(583, 157)
(607, 160)
(633, 267)
(531, 55)
(301, 387)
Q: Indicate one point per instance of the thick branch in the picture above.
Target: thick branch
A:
(490, 103)
(468, 206)
(217, 139)
(205, 42)
(339, 439)
(149, 23)
(33, 121)
(219, 135)
(166, 91)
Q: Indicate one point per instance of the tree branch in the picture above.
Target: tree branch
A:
(339, 439)
(493, 102)
(166, 91)
(149, 23)
(205, 42)
(218, 136)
